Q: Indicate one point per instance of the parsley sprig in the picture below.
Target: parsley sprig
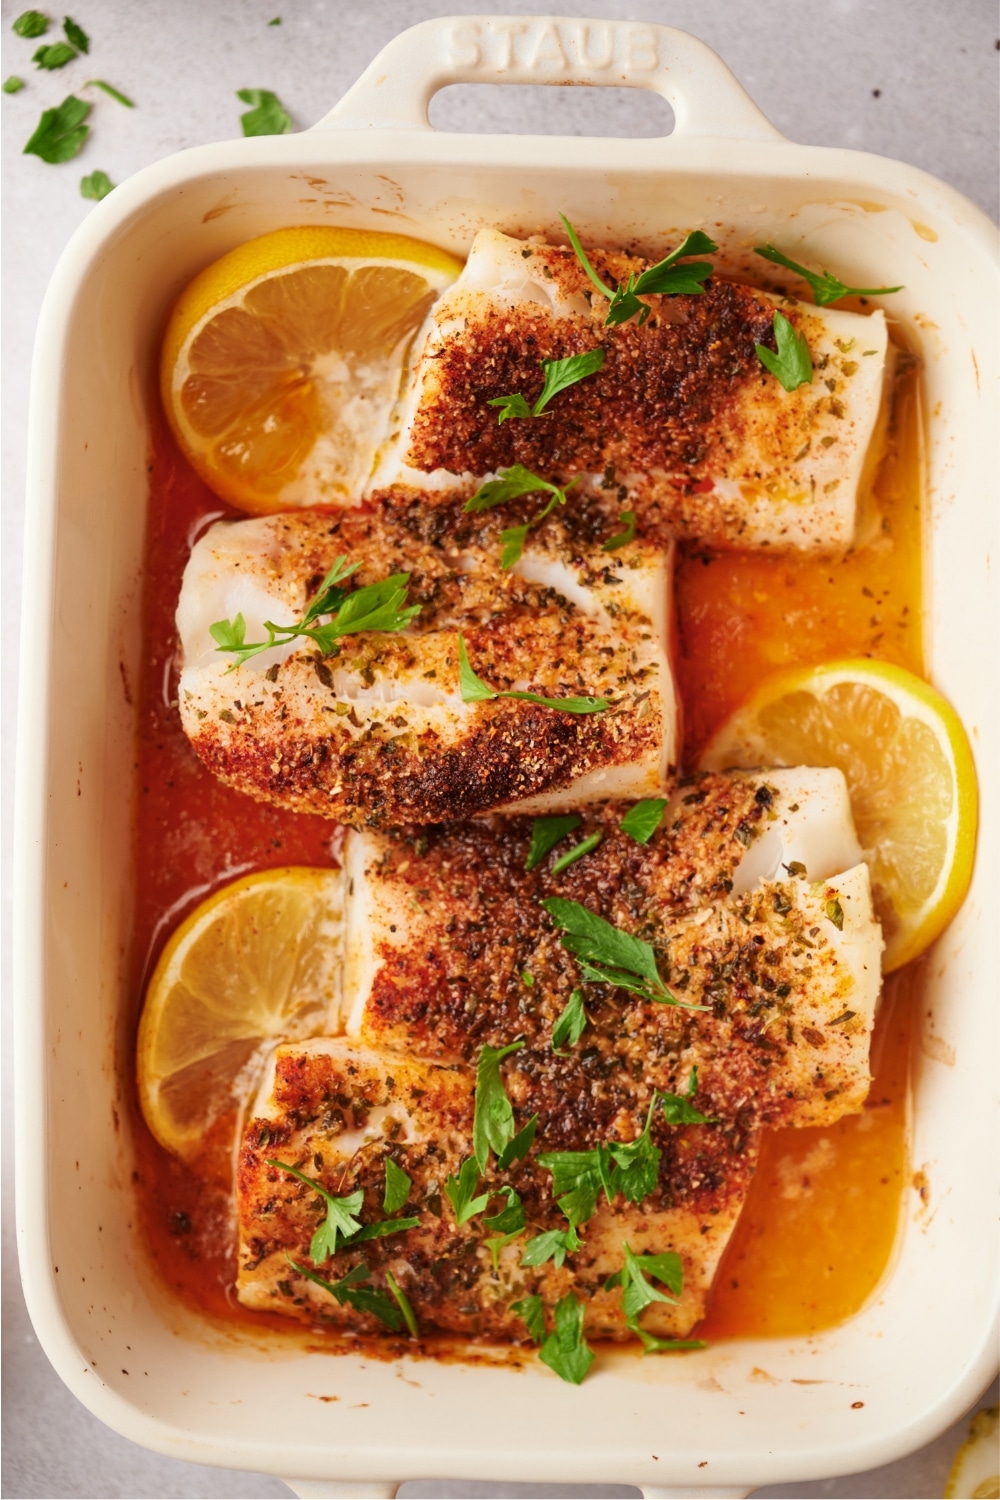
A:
(474, 690)
(565, 1350)
(377, 606)
(340, 1228)
(826, 288)
(354, 1291)
(548, 831)
(639, 1293)
(607, 955)
(559, 374)
(667, 278)
(792, 364)
(510, 485)
(493, 1131)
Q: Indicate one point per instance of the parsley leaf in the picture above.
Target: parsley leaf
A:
(792, 364)
(652, 1345)
(622, 538)
(339, 1220)
(31, 23)
(577, 1180)
(99, 83)
(98, 185)
(510, 406)
(461, 1191)
(377, 606)
(547, 832)
(677, 1108)
(666, 278)
(379, 1230)
(268, 115)
(825, 288)
(637, 1162)
(607, 955)
(571, 1023)
(835, 913)
(60, 133)
(509, 1220)
(13, 84)
(76, 35)
(559, 374)
(510, 485)
(565, 1350)
(518, 1148)
(554, 1245)
(474, 690)
(493, 1117)
(642, 820)
(638, 1292)
(52, 55)
(403, 1302)
(512, 542)
(363, 1298)
(531, 1310)
(585, 846)
(397, 1186)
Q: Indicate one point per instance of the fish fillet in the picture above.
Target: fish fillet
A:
(379, 733)
(682, 423)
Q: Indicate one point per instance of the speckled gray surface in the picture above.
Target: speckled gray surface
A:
(911, 79)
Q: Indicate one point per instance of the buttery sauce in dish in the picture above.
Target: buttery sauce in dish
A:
(739, 616)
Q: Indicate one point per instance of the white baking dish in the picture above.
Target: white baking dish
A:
(924, 1346)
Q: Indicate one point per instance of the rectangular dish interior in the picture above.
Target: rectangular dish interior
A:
(140, 1360)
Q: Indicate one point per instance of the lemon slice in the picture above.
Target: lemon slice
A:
(282, 361)
(909, 771)
(975, 1473)
(260, 960)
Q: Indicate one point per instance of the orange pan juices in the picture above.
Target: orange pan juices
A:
(820, 1222)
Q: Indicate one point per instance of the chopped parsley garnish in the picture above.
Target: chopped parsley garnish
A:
(116, 94)
(512, 483)
(678, 1109)
(13, 84)
(531, 1311)
(397, 1186)
(642, 820)
(97, 185)
(31, 23)
(622, 538)
(636, 1163)
(507, 1224)
(493, 1117)
(666, 278)
(585, 846)
(565, 1350)
(519, 1146)
(60, 132)
(825, 288)
(547, 832)
(268, 115)
(792, 364)
(340, 1222)
(559, 374)
(474, 690)
(570, 1024)
(461, 1192)
(638, 1293)
(76, 34)
(403, 1303)
(607, 955)
(835, 912)
(554, 1245)
(577, 1180)
(352, 1291)
(377, 606)
(52, 55)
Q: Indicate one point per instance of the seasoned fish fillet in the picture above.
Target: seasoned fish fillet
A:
(682, 423)
(443, 929)
(335, 1111)
(378, 733)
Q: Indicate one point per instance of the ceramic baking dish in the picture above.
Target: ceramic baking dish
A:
(714, 1423)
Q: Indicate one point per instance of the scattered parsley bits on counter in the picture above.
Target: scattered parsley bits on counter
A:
(99, 83)
(31, 23)
(76, 35)
(13, 84)
(53, 55)
(268, 115)
(275, 22)
(60, 133)
(792, 364)
(98, 185)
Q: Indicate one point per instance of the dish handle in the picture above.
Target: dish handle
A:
(394, 92)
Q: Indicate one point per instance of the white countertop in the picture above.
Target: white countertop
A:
(911, 79)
